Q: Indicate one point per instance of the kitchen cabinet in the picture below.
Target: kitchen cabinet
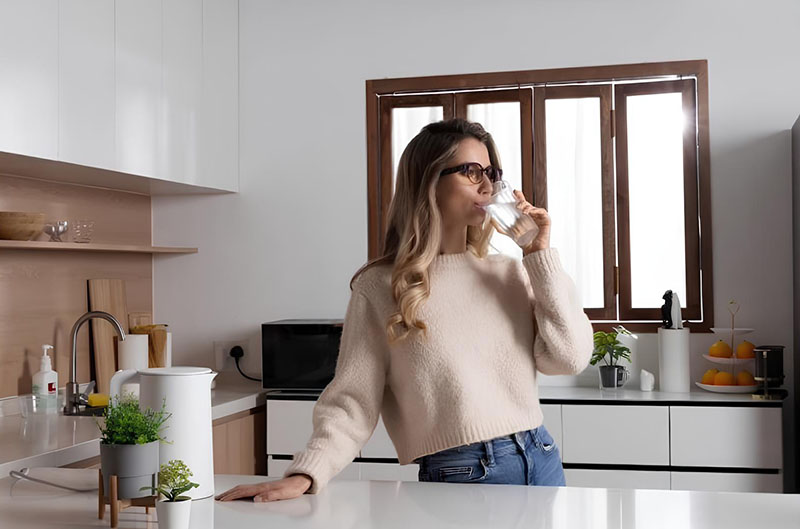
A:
(620, 435)
(86, 108)
(276, 468)
(239, 443)
(726, 437)
(727, 482)
(289, 425)
(138, 86)
(617, 479)
(29, 92)
(118, 92)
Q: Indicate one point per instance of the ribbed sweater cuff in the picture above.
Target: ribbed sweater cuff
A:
(314, 465)
(543, 263)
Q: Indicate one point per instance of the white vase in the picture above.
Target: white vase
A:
(173, 514)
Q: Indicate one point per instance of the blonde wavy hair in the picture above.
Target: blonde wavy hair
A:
(414, 230)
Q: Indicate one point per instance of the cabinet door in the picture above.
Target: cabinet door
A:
(389, 472)
(289, 425)
(552, 421)
(218, 123)
(621, 435)
(138, 85)
(29, 89)
(617, 479)
(379, 445)
(726, 437)
(239, 445)
(182, 86)
(727, 482)
(86, 128)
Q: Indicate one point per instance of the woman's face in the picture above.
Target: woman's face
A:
(460, 200)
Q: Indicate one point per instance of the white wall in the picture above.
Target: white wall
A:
(287, 244)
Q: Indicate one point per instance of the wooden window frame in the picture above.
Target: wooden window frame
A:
(447, 84)
(603, 93)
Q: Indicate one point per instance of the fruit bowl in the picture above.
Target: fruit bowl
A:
(727, 361)
(727, 389)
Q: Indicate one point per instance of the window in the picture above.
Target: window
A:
(617, 154)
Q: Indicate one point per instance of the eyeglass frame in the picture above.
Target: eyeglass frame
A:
(464, 166)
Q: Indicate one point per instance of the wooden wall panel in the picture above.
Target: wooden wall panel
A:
(42, 293)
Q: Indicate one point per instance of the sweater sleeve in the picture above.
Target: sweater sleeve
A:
(562, 332)
(347, 411)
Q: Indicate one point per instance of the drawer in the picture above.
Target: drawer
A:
(276, 468)
(388, 472)
(618, 479)
(726, 437)
(552, 421)
(379, 445)
(289, 425)
(619, 435)
(727, 482)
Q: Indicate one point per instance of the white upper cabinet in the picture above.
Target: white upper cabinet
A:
(86, 83)
(29, 78)
(138, 86)
(142, 87)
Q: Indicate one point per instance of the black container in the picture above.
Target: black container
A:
(769, 365)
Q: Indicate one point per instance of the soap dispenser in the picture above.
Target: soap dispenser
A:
(45, 384)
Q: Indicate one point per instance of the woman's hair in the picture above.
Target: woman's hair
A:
(414, 231)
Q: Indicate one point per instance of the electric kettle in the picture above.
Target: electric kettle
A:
(186, 395)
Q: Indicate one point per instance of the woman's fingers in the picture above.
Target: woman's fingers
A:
(240, 491)
(282, 489)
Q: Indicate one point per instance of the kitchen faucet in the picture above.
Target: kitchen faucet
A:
(74, 399)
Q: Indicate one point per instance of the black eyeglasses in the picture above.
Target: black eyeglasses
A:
(475, 172)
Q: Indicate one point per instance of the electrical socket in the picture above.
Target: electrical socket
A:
(223, 361)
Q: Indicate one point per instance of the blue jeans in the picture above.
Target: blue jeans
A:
(524, 458)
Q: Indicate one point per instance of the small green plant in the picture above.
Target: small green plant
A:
(173, 481)
(124, 423)
(608, 349)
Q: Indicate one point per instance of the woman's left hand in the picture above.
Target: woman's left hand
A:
(541, 218)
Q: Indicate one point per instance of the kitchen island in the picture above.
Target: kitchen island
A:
(388, 504)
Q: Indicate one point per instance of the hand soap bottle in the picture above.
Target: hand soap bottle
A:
(45, 385)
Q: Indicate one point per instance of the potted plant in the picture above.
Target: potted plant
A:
(610, 347)
(174, 509)
(129, 445)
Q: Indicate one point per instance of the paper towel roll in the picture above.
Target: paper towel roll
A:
(132, 354)
(673, 360)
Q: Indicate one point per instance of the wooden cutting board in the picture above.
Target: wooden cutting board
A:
(109, 296)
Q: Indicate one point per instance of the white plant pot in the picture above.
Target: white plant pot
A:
(173, 514)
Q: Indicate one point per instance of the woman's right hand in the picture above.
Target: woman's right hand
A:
(282, 489)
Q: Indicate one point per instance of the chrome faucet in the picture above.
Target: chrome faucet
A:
(74, 399)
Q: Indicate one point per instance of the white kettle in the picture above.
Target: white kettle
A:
(186, 394)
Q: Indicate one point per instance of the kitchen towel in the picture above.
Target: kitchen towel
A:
(673, 360)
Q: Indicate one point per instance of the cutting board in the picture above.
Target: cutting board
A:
(109, 296)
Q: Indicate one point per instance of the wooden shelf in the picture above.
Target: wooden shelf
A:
(93, 247)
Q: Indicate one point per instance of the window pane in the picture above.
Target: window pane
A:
(502, 121)
(655, 180)
(574, 191)
(406, 123)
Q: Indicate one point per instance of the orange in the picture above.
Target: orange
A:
(745, 378)
(723, 378)
(708, 376)
(745, 350)
(721, 350)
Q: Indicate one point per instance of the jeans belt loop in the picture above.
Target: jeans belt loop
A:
(489, 447)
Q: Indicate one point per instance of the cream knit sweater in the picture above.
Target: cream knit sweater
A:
(492, 323)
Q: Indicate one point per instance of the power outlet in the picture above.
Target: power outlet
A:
(223, 361)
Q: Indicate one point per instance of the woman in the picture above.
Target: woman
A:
(443, 340)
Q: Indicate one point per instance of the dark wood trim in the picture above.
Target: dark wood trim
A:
(649, 326)
(476, 81)
(690, 185)
(373, 173)
(539, 151)
(382, 177)
(704, 185)
(603, 93)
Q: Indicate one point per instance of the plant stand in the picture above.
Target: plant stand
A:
(116, 503)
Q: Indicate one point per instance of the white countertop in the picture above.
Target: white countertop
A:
(389, 504)
(57, 440)
(695, 397)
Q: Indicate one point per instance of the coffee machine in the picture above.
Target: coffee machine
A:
(769, 373)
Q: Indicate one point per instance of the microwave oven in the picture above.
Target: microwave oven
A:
(299, 354)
